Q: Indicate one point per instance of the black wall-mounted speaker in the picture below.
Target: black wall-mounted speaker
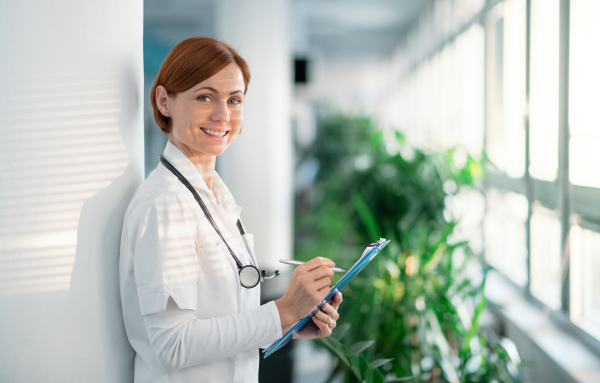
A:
(300, 70)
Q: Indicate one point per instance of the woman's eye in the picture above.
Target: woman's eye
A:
(235, 101)
(203, 98)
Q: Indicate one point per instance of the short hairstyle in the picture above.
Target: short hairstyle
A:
(189, 63)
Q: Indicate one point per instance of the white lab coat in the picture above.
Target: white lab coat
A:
(185, 312)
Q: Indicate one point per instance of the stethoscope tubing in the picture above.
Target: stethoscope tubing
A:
(241, 268)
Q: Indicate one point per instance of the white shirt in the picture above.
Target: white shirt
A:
(185, 312)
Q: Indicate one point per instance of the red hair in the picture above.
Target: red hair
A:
(189, 63)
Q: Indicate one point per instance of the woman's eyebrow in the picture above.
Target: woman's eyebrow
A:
(215, 91)
(207, 88)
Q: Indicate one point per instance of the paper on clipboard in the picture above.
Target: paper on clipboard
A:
(370, 252)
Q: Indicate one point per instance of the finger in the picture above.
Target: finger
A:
(322, 284)
(318, 277)
(324, 328)
(328, 320)
(330, 311)
(337, 300)
(323, 316)
(318, 262)
(321, 271)
(327, 309)
(332, 325)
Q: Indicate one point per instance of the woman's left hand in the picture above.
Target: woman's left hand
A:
(324, 321)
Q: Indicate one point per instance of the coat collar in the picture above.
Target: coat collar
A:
(189, 171)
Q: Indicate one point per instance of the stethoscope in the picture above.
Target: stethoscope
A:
(249, 274)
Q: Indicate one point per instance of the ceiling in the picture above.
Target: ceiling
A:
(350, 28)
(330, 28)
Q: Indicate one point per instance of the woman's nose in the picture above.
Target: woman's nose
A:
(220, 112)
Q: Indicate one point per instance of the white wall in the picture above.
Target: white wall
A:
(258, 167)
(71, 154)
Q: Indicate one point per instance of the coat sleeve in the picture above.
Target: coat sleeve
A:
(165, 264)
(180, 339)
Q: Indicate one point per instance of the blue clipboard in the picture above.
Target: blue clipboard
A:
(370, 252)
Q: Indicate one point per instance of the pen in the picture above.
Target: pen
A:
(298, 263)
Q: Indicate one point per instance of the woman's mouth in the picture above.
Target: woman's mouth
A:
(214, 133)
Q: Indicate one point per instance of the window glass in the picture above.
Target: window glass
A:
(494, 75)
(546, 256)
(585, 285)
(443, 99)
(505, 234)
(584, 94)
(543, 100)
(506, 87)
(469, 121)
(514, 87)
(468, 208)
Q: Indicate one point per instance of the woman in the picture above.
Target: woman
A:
(189, 312)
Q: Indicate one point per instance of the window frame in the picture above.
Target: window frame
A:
(573, 203)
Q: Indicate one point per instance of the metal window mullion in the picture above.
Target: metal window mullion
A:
(529, 191)
(563, 140)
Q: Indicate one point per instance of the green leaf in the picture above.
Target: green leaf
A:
(435, 259)
(356, 363)
(510, 359)
(341, 331)
(366, 216)
(361, 346)
(475, 327)
(380, 362)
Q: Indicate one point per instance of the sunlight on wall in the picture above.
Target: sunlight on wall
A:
(64, 145)
(71, 155)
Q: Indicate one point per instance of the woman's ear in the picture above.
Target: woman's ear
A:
(162, 100)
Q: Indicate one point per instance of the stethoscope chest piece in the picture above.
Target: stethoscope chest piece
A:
(249, 276)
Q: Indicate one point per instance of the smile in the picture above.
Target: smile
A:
(214, 133)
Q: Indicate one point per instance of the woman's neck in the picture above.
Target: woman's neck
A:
(205, 164)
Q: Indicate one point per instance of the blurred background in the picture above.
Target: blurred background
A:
(462, 130)
(496, 97)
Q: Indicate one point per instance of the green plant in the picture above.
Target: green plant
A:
(419, 305)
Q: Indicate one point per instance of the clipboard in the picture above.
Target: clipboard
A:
(370, 252)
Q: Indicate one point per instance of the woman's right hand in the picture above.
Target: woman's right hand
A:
(309, 285)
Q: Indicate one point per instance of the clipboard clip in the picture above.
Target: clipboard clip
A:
(375, 244)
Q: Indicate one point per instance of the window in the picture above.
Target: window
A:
(506, 219)
(527, 71)
(545, 229)
(583, 161)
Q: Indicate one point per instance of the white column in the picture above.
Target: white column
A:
(71, 155)
(258, 167)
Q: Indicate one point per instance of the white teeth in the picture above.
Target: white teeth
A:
(214, 133)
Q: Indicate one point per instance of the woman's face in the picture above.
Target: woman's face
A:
(207, 118)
